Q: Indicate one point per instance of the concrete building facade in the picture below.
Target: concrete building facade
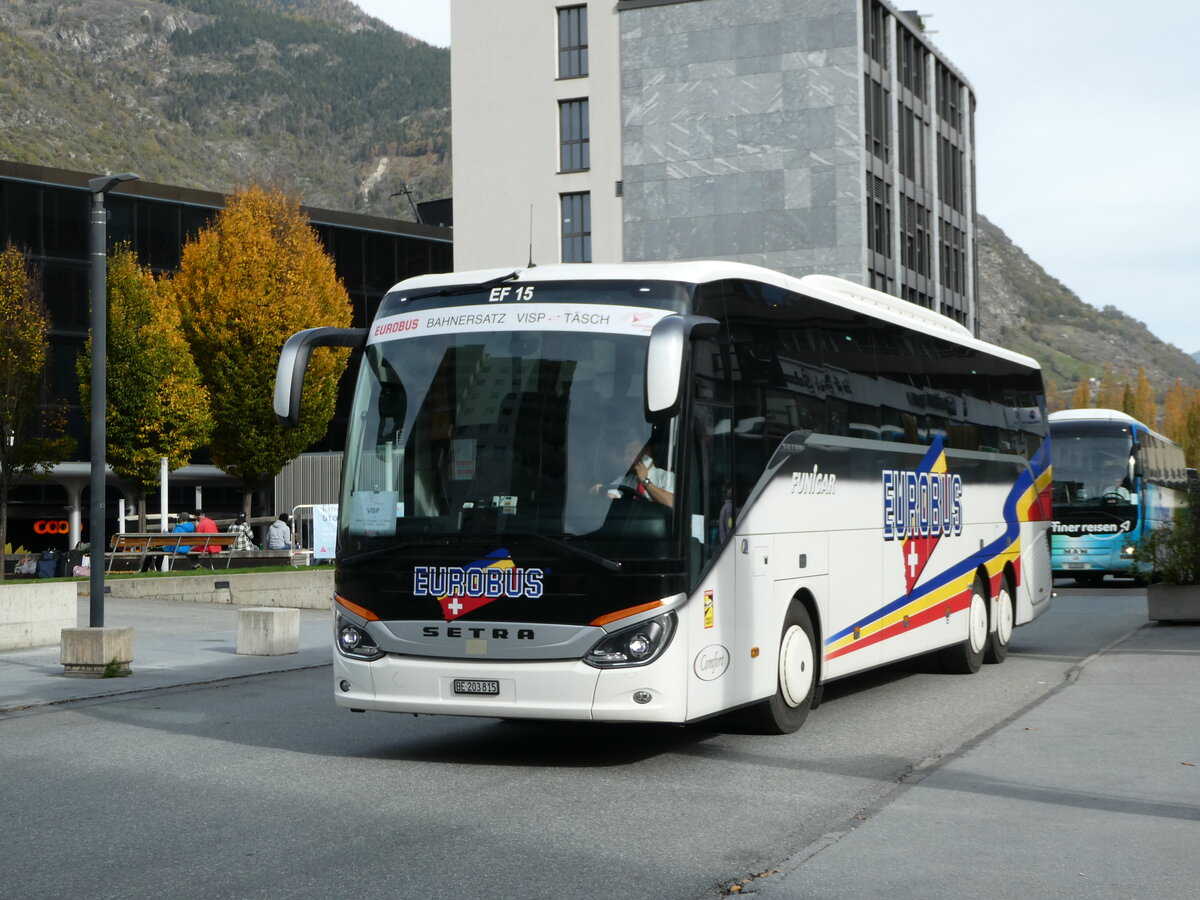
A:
(808, 136)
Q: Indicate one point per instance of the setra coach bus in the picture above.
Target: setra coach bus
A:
(1115, 481)
(661, 492)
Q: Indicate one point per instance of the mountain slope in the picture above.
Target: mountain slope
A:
(1024, 308)
(311, 95)
(320, 99)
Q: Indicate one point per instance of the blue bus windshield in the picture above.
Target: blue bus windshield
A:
(1093, 470)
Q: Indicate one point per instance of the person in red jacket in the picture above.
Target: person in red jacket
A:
(205, 525)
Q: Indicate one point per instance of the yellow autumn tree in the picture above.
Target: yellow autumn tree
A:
(31, 432)
(1145, 406)
(1191, 431)
(157, 405)
(245, 284)
(1081, 397)
(1175, 405)
(1111, 394)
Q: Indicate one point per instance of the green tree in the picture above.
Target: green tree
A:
(156, 405)
(31, 434)
(245, 284)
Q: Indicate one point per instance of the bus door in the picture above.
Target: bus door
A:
(709, 621)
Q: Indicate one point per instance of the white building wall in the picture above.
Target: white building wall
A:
(505, 92)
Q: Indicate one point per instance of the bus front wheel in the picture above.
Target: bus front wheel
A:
(967, 658)
(796, 679)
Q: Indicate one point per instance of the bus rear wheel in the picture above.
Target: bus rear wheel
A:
(967, 658)
(997, 647)
(796, 678)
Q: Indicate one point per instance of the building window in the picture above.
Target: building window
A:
(950, 175)
(912, 63)
(875, 31)
(954, 259)
(577, 228)
(878, 118)
(911, 151)
(574, 145)
(949, 90)
(572, 42)
(915, 244)
(879, 216)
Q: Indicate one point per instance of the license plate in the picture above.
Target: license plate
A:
(1077, 565)
(476, 686)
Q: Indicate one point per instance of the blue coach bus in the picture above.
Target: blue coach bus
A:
(1115, 480)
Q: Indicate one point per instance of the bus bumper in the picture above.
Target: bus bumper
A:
(553, 689)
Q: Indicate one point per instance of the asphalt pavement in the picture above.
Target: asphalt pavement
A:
(1092, 791)
(174, 644)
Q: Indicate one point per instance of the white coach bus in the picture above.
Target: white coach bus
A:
(661, 492)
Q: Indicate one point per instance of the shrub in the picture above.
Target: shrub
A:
(1171, 553)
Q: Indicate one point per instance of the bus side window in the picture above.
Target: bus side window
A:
(710, 507)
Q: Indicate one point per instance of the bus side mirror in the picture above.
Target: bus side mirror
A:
(665, 361)
(293, 362)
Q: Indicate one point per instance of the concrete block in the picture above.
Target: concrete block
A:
(33, 614)
(1173, 602)
(268, 631)
(96, 652)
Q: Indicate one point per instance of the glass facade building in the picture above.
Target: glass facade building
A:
(45, 212)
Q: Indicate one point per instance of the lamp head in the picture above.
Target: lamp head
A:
(105, 183)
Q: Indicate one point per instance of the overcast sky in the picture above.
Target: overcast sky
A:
(1088, 133)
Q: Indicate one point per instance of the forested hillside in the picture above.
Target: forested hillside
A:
(317, 98)
(1026, 309)
(310, 95)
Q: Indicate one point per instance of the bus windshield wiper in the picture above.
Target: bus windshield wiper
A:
(468, 288)
(560, 544)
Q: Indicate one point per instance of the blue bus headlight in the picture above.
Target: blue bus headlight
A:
(354, 642)
(636, 645)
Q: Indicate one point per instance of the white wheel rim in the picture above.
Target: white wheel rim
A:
(1004, 621)
(978, 624)
(795, 666)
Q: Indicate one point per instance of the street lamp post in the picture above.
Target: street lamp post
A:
(98, 253)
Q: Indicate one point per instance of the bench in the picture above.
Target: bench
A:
(129, 550)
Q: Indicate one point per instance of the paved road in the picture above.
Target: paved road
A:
(259, 787)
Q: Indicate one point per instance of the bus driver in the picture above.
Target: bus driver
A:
(643, 478)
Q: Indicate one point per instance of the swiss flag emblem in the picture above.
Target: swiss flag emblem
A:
(916, 556)
(918, 549)
(456, 605)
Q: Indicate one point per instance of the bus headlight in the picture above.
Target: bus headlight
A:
(354, 642)
(636, 645)
(1128, 551)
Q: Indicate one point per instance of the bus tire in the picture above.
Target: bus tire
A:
(796, 681)
(997, 646)
(966, 658)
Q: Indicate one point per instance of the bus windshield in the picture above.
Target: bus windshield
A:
(492, 432)
(1093, 469)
